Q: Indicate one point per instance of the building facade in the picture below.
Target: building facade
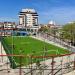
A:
(6, 28)
(9, 25)
(28, 18)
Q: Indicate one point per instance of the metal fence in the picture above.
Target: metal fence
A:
(50, 65)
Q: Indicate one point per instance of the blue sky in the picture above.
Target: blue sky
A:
(60, 11)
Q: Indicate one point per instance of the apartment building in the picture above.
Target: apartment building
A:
(9, 25)
(1, 24)
(28, 18)
(6, 28)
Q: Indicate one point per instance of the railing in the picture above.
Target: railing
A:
(51, 65)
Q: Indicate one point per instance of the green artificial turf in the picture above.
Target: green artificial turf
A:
(30, 46)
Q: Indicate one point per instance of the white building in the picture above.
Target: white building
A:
(51, 23)
(9, 25)
(28, 18)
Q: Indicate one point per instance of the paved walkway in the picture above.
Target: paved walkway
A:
(48, 41)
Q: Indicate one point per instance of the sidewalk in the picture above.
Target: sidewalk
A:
(48, 41)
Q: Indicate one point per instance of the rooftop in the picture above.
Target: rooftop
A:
(28, 10)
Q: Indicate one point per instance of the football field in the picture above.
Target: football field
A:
(29, 46)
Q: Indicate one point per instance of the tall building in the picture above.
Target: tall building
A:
(28, 18)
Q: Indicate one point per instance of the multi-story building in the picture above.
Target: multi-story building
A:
(1, 24)
(28, 18)
(6, 28)
(9, 25)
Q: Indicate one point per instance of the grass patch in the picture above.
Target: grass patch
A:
(30, 46)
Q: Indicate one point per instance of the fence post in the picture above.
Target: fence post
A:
(31, 65)
(52, 63)
(20, 65)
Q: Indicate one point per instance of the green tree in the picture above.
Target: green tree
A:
(68, 32)
(54, 31)
(44, 29)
